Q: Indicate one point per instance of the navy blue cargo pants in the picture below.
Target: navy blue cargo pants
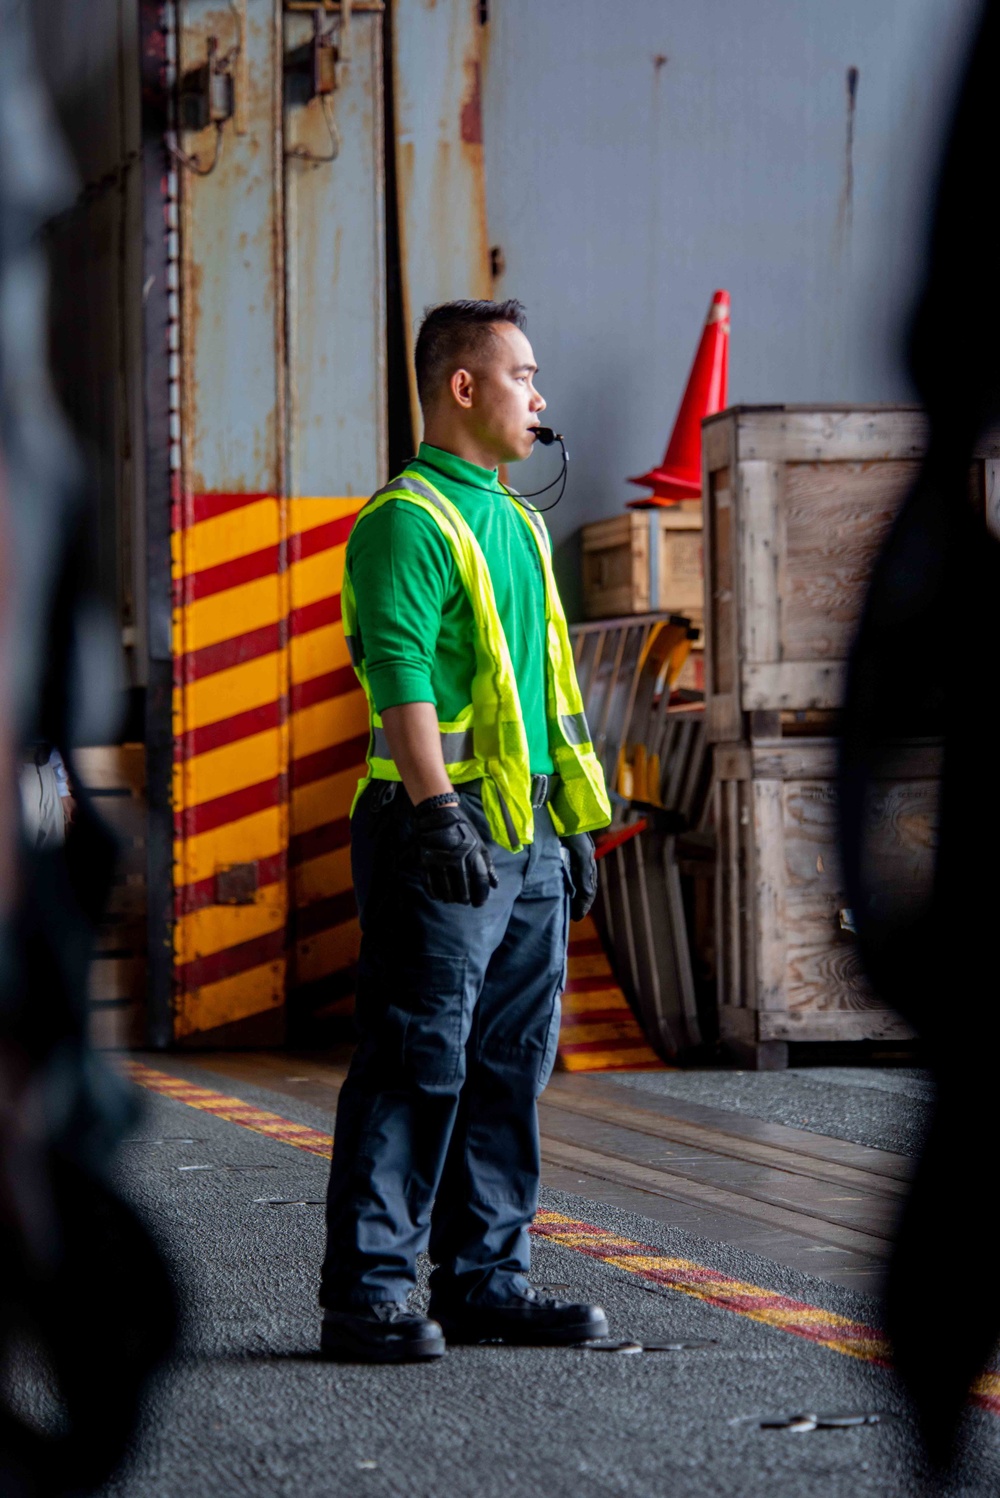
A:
(436, 1144)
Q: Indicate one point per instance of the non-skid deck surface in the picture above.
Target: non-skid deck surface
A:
(820, 1205)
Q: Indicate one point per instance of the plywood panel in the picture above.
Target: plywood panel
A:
(835, 516)
(784, 956)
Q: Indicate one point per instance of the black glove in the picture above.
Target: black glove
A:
(455, 863)
(583, 872)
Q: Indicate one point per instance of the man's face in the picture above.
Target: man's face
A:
(505, 406)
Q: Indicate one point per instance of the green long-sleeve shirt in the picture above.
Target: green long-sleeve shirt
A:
(414, 617)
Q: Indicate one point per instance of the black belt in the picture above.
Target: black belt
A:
(543, 788)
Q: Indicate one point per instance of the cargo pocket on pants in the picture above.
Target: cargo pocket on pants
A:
(425, 1019)
(552, 1037)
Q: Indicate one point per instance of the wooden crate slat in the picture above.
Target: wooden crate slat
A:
(788, 970)
(644, 561)
(798, 503)
(841, 1026)
(116, 1027)
(117, 978)
(758, 499)
(792, 684)
(808, 434)
(112, 767)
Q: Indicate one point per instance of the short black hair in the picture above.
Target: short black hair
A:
(453, 332)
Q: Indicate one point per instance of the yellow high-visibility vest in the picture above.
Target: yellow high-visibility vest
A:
(487, 741)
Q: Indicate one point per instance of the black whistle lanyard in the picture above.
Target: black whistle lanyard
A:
(546, 436)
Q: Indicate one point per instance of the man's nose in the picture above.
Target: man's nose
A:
(537, 403)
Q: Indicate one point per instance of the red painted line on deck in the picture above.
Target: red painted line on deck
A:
(782, 1313)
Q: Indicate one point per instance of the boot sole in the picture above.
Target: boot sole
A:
(341, 1349)
(525, 1336)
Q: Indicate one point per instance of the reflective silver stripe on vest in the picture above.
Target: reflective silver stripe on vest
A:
(574, 728)
(353, 650)
(533, 518)
(455, 747)
(512, 836)
(458, 746)
(410, 484)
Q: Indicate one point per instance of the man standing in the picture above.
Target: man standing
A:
(470, 852)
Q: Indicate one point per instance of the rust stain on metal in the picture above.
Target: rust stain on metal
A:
(847, 198)
(194, 283)
(472, 105)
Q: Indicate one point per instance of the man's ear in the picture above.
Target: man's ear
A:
(460, 385)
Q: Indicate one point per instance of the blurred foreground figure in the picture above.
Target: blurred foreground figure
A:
(86, 1309)
(924, 667)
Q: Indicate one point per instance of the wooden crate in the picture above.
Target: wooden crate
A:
(115, 777)
(798, 502)
(643, 561)
(788, 970)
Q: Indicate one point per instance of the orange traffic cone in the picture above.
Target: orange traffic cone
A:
(679, 475)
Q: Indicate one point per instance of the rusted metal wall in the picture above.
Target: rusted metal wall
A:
(281, 430)
(439, 58)
(334, 222)
(230, 546)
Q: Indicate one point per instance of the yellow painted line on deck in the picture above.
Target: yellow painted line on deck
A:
(234, 1109)
(782, 1313)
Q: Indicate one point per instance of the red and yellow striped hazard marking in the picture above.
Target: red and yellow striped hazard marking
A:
(598, 1031)
(270, 730)
(782, 1313)
(717, 1289)
(233, 1109)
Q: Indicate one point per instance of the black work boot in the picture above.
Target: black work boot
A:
(384, 1332)
(526, 1319)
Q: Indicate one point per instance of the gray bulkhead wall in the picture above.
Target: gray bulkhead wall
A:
(640, 155)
